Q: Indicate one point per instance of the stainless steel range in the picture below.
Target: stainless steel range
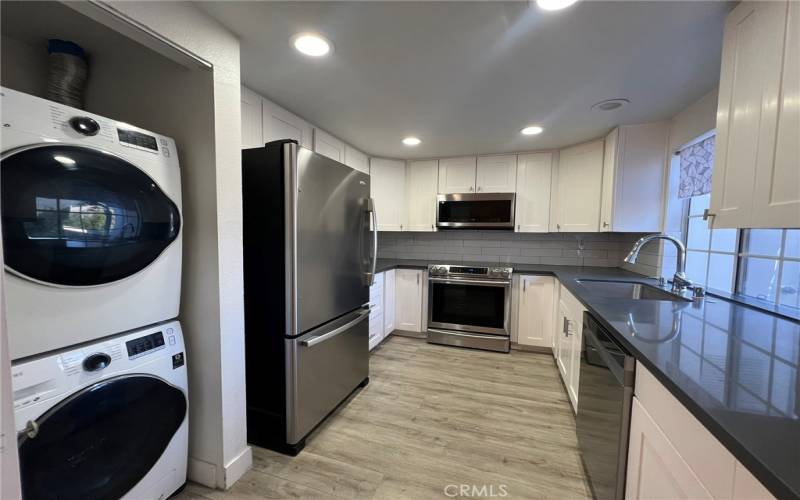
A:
(469, 306)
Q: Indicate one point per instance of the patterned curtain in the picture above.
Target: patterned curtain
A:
(697, 164)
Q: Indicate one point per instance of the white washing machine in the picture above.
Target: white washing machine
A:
(107, 420)
(91, 212)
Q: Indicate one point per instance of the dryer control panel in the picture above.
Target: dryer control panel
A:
(145, 345)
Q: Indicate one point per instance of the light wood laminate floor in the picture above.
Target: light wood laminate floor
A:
(432, 416)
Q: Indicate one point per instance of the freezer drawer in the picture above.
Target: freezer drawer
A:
(325, 366)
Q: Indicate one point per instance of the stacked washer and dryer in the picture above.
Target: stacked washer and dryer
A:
(91, 215)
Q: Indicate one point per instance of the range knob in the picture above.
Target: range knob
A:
(84, 125)
(506, 273)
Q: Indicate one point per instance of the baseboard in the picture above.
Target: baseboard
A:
(413, 335)
(236, 468)
(531, 348)
(206, 474)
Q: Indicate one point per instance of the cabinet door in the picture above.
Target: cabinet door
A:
(534, 174)
(562, 358)
(281, 124)
(496, 174)
(387, 188)
(328, 145)
(422, 177)
(747, 118)
(457, 175)
(776, 202)
(609, 174)
(580, 171)
(251, 119)
(655, 468)
(535, 325)
(408, 300)
(356, 159)
(388, 302)
(575, 334)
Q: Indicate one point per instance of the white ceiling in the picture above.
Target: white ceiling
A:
(465, 77)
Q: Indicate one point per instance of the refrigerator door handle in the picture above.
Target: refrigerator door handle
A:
(362, 315)
(371, 210)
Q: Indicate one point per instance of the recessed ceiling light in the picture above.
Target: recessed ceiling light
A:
(555, 4)
(610, 104)
(532, 130)
(411, 141)
(311, 44)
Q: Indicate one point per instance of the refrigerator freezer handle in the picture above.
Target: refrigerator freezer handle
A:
(371, 209)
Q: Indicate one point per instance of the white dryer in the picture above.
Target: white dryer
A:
(91, 212)
(107, 420)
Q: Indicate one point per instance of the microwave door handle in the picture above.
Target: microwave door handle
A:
(374, 264)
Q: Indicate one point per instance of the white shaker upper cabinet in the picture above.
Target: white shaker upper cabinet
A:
(387, 188)
(496, 174)
(534, 174)
(634, 163)
(354, 158)
(281, 124)
(756, 180)
(251, 119)
(580, 176)
(328, 145)
(421, 178)
(457, 175)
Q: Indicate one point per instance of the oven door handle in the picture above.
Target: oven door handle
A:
(470, 282)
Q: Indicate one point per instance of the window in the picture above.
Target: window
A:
(759, 263)
(770, 265)
(711, 254)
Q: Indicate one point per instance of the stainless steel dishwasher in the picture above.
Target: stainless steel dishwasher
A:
(604, 410)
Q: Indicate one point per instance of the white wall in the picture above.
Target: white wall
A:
(692, 122)
(215, 317)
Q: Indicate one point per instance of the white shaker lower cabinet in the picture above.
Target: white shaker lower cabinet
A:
(376, 313)
(655, 468)
(756, 181)
(535, 317)
(569, 328)
(388, 189)
(408, 299)
(534, 175)
(496, 174)
(580, 176)
(672, 455)
(388, 302)
(421, 181)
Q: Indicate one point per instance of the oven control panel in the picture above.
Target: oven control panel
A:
(475, 272)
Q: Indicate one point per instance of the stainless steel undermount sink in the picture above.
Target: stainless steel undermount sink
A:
(628, 290)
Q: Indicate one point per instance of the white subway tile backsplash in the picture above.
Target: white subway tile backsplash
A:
(599, 249)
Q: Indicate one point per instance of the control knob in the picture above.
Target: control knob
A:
(96, 362)
(84, 125)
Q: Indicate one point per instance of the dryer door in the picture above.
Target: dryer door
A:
(76, 216)
(102, 440)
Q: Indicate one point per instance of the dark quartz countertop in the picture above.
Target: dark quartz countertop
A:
(735, 368)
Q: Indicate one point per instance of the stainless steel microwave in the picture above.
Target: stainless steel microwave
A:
(475, 211)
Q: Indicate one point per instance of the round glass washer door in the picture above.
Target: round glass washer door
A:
(101, 441)
(76, 216)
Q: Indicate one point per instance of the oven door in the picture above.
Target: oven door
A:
(480, 306)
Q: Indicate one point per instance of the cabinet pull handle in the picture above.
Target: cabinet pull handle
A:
(401, 227)
(605, 224)
(479, 188)
(417, 278)
(565, 327)
(524, 286)
(707, 215)
(558, 226)
(518, 227)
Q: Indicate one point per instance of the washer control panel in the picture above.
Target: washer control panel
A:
(145, 345)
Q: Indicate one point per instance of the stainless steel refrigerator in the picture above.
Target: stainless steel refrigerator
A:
(309, 258)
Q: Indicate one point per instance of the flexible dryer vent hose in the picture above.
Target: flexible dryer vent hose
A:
(68, 71)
